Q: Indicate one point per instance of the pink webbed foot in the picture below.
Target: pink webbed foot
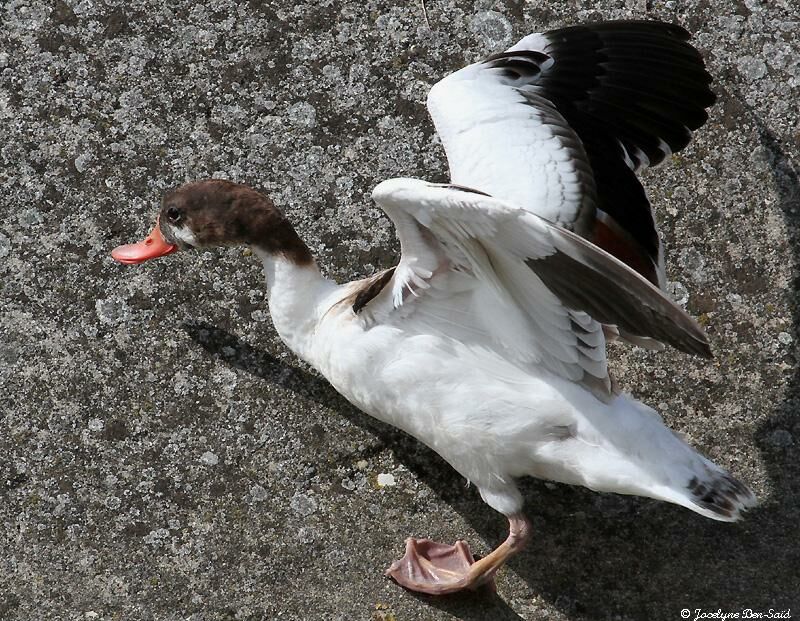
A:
(438, 569)
(435, 568)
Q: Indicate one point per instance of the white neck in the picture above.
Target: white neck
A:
(295, 293)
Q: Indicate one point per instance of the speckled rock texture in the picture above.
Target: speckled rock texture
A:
(163, 456)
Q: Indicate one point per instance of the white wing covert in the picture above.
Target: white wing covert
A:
(534, 288)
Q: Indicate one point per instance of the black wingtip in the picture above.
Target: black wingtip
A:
(703, 350)
(633, 91)
(696, 341)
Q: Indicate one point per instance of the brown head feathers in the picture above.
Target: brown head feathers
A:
(216, 212)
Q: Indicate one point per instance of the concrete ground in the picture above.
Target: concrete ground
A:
(163, 456)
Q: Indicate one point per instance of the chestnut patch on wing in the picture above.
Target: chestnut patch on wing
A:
(617, 242)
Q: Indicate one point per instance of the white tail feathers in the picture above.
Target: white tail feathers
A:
(627, 449)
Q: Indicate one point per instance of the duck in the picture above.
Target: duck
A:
(487, 340)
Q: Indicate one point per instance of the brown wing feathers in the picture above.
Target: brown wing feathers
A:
(369, 288)
(591, 281)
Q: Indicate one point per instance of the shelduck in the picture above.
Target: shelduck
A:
(487, 341)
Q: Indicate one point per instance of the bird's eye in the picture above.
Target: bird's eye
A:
(174, 214)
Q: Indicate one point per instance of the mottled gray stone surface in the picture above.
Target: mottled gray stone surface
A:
(162, 455)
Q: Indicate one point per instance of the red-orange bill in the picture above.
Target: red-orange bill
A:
(151, 247)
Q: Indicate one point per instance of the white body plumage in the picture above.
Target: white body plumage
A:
(436, 366)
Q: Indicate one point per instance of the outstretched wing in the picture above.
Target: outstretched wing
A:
(561, 121)
(472, 263)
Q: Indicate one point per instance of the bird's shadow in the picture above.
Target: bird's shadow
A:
(602, 556)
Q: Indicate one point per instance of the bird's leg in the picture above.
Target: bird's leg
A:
(438, 569)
